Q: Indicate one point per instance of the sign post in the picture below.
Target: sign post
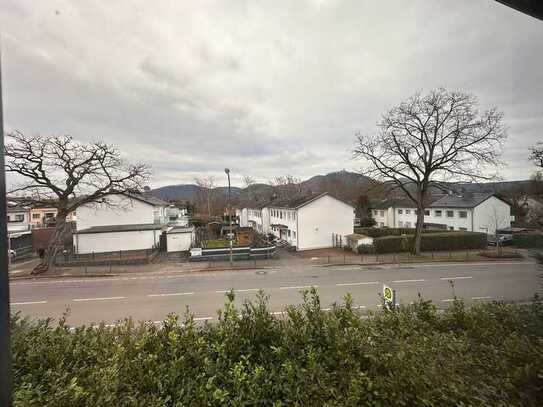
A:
(389, 295)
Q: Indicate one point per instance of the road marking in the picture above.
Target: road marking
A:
(326, 309)
(278, 313)
(481, 298)
(456, 278)
(299, 287)
(168, 294)
(222, 291)
(448, 300)
(98, 299)
(203, 319)
(28, 302)
(247, 290)
(408, 281)
(359, 307)
(361, 283)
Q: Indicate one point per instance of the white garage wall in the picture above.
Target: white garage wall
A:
(126, 212)
(179, 242)
(491, 213)
(115, 241)
(320, 219)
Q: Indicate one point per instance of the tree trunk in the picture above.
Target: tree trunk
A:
(55, 244)
(418, 229)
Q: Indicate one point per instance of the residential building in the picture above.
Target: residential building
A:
(40, 216)
(120, 222)
(18, 219)
(308, 222)
(474, 212)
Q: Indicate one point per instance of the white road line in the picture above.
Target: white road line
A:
(481, 298)
(448, 300)
(299, 287)
(203, 319)
(222, 291)
(247, 290)
(359, 307)
(408, 281)
(361, 283)
(168, 294)
(98, 299)
(456, 278)
(278, 313)
(326, 309)
(28, 302)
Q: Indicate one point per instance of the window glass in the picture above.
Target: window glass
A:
(408, 211)
(427, 212)
(438, 214)
(463, 214)
(400, 211)
(450, 214)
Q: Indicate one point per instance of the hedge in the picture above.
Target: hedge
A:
(431, 242)
(381, 232)
(487, 355)
(528, 240)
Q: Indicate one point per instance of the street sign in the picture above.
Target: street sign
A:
(388, 294)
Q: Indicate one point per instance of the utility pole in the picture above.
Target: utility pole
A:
(230, 236)
(5, 346)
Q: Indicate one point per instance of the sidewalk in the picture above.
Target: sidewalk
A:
(283, 260)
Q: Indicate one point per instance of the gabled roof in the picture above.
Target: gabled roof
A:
(151, 200)
(465, 200)
(298, 202)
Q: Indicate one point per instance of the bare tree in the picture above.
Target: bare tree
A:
(431, 138)
(64, 174)
(537, 154)
(248, 180)
(287, 185)
(206, 185)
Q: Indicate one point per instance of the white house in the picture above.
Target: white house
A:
(308, 222)
(122, 222)
(18, 219)
(474, 212)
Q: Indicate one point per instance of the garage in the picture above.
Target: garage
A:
(103, 239)
(179, 239)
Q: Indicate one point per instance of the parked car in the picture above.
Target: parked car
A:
(504, 240)
(12, 253)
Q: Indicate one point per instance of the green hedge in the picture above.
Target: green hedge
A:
(431, 242)
(528, 240)
(488, 355)
(381, 232)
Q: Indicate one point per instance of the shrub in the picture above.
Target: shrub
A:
(491, 353)
(381, 232)
(365, 249)
(393, 244)
(528, 240)
(431, 242)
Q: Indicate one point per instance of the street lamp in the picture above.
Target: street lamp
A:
(230, 236)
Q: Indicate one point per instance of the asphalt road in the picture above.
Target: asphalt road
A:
(152, 297)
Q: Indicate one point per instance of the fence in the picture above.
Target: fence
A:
(238, 253)
(143, 256)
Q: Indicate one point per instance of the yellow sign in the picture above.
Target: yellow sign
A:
(387, 293)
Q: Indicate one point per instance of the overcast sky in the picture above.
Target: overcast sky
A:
(263, 87)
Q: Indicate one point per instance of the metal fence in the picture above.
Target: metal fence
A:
(143, 256)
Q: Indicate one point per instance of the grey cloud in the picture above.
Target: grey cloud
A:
(263, 88)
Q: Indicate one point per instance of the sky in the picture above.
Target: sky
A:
(266, 88)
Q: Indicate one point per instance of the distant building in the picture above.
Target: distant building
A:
(308, 222)
(474, 212)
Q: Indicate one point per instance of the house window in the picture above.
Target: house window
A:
(400, 211)
(438, 214)
(381, 213)
(49, 215)
(294, 234)
(451, 227)
(288, 233)
(463, 229)
(293, 215)
(407, 224)
(36, 216)
(408, 211)
(463, 214)
(427, 212)
(400, 224)
(374, 213)
(280, 214)
(450, 214)
(416, 211)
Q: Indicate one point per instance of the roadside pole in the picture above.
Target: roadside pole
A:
(5, 346)
(229, 218)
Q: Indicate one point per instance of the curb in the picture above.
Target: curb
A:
(516, 260)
